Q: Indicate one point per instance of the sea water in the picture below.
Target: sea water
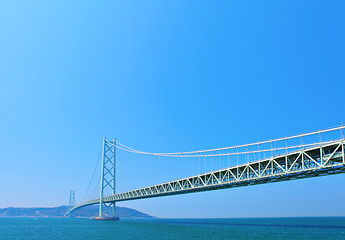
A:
(254, 228)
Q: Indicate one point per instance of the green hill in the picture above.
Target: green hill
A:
(86, 212)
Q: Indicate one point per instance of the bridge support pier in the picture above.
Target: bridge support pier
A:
(107, 210)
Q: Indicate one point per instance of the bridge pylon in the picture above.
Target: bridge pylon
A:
(71, 203)
(108, 173)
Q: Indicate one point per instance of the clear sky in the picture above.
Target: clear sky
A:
(166, 76)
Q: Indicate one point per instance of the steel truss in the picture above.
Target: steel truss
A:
(325, 159)
(107, 209)
(71, 203)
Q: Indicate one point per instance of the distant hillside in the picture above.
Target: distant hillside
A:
(87, 212)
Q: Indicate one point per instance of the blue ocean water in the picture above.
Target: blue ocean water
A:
(259, 228)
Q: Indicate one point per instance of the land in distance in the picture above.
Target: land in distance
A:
(85, 212)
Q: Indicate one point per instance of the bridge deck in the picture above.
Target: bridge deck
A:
(325, 159)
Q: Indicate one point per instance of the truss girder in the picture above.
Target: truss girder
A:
(322, 160)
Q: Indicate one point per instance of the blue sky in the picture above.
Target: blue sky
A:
(166, 76)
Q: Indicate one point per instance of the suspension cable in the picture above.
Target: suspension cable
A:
(231, 153)
(93, 174)
(126, 148)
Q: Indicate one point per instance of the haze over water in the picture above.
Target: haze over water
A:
(250, 228)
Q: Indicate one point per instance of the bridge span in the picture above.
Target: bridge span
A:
(309, 160)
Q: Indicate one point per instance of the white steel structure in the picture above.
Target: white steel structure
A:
(309, 160)
(107, 209)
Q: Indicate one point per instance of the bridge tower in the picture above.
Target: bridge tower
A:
(107, 210)
(71, 203)
(72, 198)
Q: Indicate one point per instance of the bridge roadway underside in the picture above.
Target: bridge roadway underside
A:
(322, 160)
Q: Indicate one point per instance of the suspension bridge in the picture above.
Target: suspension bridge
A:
(305, 155)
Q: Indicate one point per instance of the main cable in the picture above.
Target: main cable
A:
(224, 154)
(93, 174)
(126, 148)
